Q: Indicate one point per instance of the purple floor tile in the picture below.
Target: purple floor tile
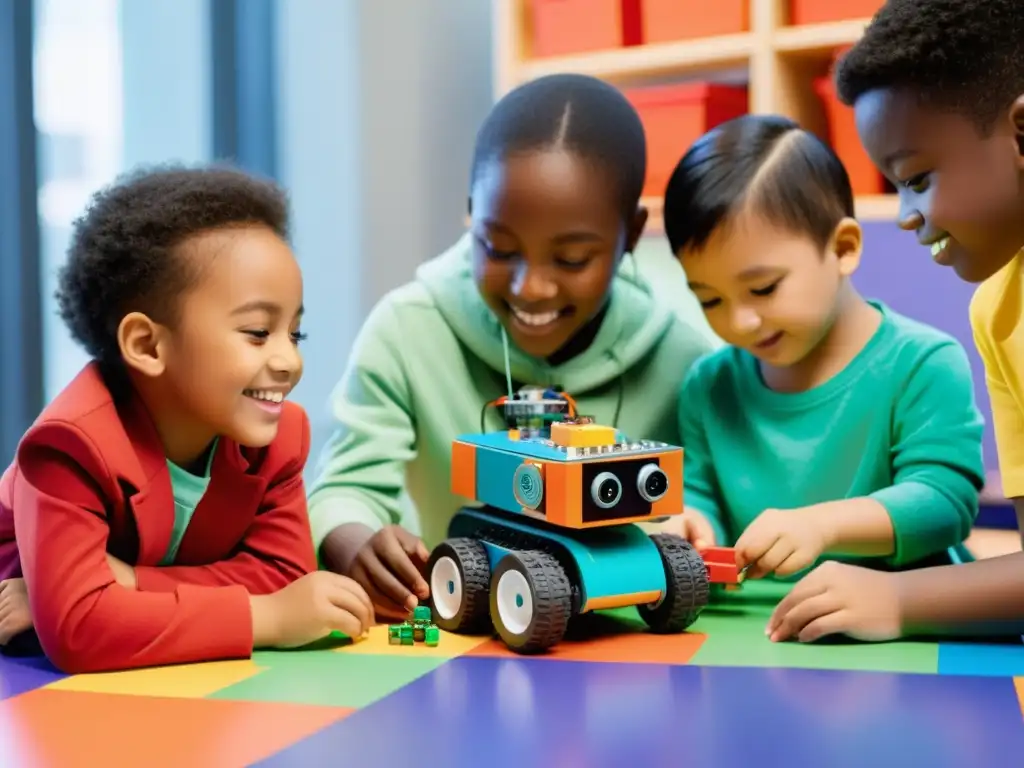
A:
(520, 712)
(25, 674)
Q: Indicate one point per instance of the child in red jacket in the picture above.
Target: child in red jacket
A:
(155, 512)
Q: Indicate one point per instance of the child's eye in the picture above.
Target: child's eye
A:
(573, 264)
(916, 183)
(263, 334)
(493, 253)
(499, 255)
(710, 303)
(767, 290)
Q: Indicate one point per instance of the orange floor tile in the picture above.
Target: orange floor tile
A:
(68, 729)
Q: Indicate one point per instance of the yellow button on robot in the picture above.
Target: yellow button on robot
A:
(571, 435)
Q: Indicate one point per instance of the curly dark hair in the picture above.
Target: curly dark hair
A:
(122, 255)
(964, 55)
(579, 113)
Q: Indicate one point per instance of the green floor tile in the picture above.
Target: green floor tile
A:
(735, 625)
(328, 678)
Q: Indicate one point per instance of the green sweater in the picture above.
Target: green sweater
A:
(430, 356)
(898, 425)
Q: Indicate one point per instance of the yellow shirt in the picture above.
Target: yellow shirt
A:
(999, 335)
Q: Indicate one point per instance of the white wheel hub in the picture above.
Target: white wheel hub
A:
(515, 602)
(446, 587)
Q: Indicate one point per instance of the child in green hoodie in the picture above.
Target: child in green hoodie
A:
(538, 292)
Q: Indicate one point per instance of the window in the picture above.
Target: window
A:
(78, 106)
(117, 83)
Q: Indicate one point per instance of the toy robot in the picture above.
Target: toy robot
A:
(556, 535)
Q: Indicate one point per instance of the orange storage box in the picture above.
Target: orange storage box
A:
(865, 178)
(562, 27)
(675, 116)
(823, 11)
(668, 20)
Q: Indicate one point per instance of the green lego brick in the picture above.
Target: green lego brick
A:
(432, 635)
(394, 634)
(421, 613)
(407, 634)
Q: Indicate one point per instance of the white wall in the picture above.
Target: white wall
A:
(378, 108)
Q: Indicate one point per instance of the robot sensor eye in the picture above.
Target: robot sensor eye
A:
(651, 482)
(528, 486)
(606, 490)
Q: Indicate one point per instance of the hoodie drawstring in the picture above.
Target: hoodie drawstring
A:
(508, 365)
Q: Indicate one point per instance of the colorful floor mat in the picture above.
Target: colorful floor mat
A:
(721, 695)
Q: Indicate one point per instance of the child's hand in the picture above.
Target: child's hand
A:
(124, 574)
(838, 598)
(781, 541)
(696, 529)
(390, 567)
(15, 615)
(309, 609)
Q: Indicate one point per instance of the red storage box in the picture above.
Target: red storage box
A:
(865, 178)
(675, 116)
(562, 27)
(668, 20)
(822, 11)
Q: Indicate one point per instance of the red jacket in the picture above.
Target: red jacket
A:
(90, 477)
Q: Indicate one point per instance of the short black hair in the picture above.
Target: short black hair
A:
(122, 257)
(763, 163)
(964, 55)
(582, 114)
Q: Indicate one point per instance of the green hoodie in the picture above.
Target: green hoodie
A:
(430, 355)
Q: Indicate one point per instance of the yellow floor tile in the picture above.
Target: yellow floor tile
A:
(376, 643)
(190, 681)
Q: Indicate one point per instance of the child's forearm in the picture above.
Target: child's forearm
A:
(985, 597)
(860, 526)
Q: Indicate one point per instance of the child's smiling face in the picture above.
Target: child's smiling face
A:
(961, 189)
(768, 291)
(548, 232)
(231, 358)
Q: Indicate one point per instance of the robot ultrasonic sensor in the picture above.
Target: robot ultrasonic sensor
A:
(554, 533)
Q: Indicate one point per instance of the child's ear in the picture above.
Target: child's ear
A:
(847, 244)
(1017, 120)
(143, 344)
(636, 229)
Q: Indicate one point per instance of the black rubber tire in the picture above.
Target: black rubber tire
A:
(688, 586)
(474, 568)
(551, 594)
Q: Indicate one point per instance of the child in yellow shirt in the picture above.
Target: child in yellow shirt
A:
(938, 91)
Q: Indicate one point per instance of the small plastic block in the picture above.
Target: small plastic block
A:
(421, 613)
(406, 633)
(418, 629)
(721, 564)
(571, 435)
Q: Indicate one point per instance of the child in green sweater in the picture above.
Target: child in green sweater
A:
(554, 200)
(831, 426)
